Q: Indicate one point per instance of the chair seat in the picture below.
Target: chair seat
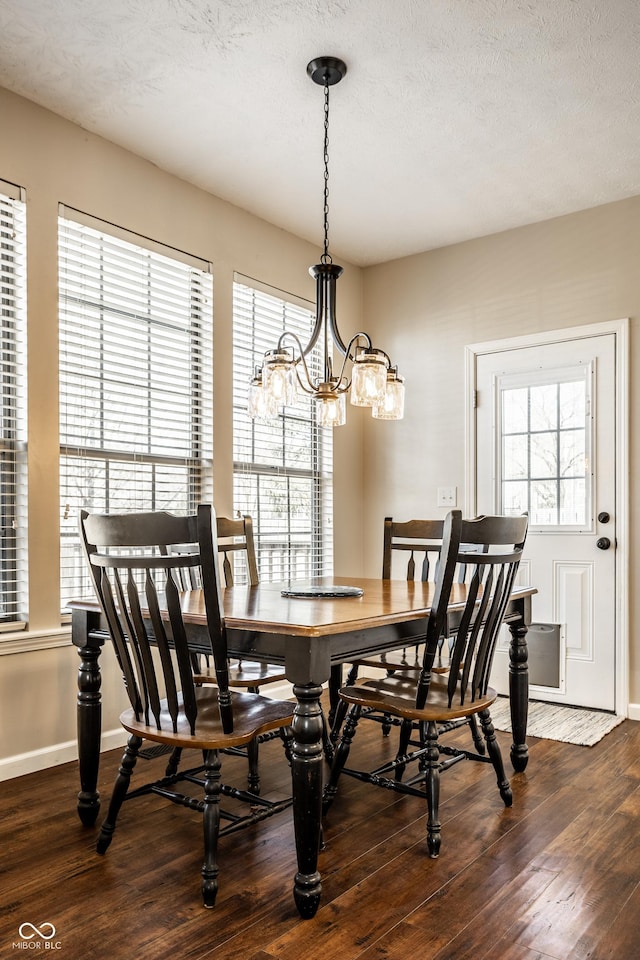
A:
(396, 695)
(252, 715)
(248, 673)
(393, 665)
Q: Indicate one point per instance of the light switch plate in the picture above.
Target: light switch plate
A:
(447, 496)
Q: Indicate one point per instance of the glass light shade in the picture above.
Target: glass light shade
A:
(368, 380)
(331, 410)
(279, 378)
(392, 406)
(260, 406)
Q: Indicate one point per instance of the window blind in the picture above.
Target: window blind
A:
(282, 469)
(13, 481)
(135, 382)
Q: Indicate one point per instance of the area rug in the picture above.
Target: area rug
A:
(553, 722)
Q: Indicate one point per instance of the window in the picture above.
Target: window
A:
(135, 381)
(282, 469)
(545, 447)
(13, 599)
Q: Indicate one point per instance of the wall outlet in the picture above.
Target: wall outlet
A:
(447, 496)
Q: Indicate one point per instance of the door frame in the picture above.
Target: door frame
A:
(620, 328)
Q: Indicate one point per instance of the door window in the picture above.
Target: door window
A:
(544, 450)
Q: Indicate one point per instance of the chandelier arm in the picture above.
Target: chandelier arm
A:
(347, 356)
(308, 386)
(357, 336)
(288, 334)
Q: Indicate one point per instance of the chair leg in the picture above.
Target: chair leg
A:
(286, 735)
(211, 821)
(476, 736)
(335, 682)
(340, 757)
(495, 754)
(173, 762)
(338, 719)
(119, 793)
(432, 784)
(253, 777)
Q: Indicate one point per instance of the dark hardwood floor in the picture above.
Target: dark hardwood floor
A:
(556, 876)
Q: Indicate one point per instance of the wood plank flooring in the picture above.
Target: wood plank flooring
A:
(556, 876)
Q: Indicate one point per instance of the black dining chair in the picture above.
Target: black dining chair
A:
(411, 550)
(139, 582)
(424, 702)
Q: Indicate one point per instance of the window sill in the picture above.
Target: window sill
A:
(27, 642)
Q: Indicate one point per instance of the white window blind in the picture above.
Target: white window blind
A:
(282, 469)
(135, 382)
(13, 485)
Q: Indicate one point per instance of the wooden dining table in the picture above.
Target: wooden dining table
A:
(312, 638)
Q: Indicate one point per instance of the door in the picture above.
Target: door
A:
(546, 443)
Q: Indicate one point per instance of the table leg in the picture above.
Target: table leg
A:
(519, 692)
(306, 768)
(89, 722)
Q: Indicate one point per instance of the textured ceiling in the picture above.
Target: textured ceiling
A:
(457, 118)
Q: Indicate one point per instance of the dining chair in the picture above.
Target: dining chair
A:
(411, 549)
(139, 583)
(492, 552)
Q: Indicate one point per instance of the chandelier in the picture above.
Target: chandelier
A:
(365, 372)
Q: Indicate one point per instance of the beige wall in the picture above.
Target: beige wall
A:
(573, 270)
(55, 162)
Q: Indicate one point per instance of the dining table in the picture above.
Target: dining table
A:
(311, 636)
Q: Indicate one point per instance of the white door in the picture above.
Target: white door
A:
(546, 444)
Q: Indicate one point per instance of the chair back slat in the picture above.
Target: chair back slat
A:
(163, 646)
(139, 579)
(182, 653)
(140, 644)
(450, 546)
(212, 589)
(119, 640)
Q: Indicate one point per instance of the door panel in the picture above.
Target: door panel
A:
(545, 443)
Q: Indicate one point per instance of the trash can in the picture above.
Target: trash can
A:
(543, 641)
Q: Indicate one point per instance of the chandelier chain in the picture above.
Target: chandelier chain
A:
(326, 257)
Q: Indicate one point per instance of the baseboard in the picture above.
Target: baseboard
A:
(633, 711)
(54, 755)
(58, 753)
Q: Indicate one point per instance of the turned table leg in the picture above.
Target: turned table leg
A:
(89, 716)
(306, 768)
(519, 692)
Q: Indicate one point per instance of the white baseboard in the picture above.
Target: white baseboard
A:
(54, 755)
(58, 753)
(633, 711)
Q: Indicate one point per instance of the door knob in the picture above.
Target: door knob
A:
(604, 517)
(603, 543)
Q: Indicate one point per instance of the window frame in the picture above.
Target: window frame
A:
(13, 388)
(171, 385)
